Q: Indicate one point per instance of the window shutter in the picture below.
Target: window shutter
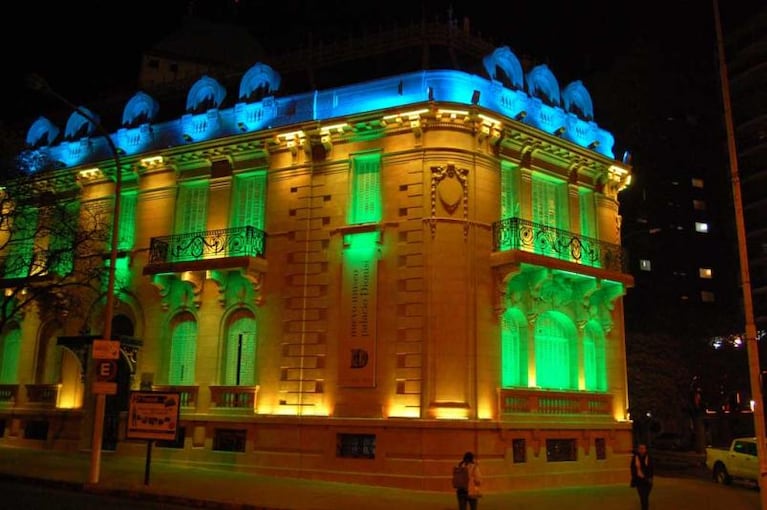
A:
(127, 231)
(246, 327)
(183, 353)
(191, 208)
(249, 200)
(366, 189)
(9, 363)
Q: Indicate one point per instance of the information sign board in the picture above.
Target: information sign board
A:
(153, 415)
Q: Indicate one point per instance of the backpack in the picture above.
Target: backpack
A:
(460, 476)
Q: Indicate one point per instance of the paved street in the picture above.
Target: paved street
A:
(225, 488)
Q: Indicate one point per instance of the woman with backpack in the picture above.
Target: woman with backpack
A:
(469, 494)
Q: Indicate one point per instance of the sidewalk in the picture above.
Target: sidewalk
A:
(227, 489)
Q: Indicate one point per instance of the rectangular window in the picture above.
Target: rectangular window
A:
(600, 446)
(36, 429)
(365, 200)
(588, 213)
(550, 214)
(176, 443)
(561, 450)
(61, 248)
(707, 296)
(19, 262)
(191, 208)
(519, 451)
(645, 265)
(705, 272)
(356, 446)
(697, 183)
(510, 207)
(248, 200)
(127, 228)
(701, 227)
(699, 205)
(550, 202)
(229, 440)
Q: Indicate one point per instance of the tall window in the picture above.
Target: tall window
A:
(60, 246)
(190, 221)
(549, 210)
(22, 249)
(366, 189)
(240, 359)
(10, 347)
(510, 207)
(191, 207)
(588, 213)
(248, 200)
(594, 358)
(555, 352)
(183, 351)
(127, 228)
(513, 349)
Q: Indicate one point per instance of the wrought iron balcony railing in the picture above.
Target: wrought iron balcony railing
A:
(211, 244)
(519, 234)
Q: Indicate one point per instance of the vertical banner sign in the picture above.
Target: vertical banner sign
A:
(359, 303)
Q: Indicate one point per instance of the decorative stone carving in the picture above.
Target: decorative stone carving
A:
(449, 188)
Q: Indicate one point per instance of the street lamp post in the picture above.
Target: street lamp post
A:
(37, 83)
(748, 310)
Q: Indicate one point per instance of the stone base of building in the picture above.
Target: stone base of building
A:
(402, 453)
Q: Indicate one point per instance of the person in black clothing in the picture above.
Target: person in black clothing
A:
(641, 474)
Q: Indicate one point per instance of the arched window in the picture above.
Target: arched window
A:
(240, 356)
(183, 351)
(10, 347)
(594, 358)
(556, 364)
(513, 349)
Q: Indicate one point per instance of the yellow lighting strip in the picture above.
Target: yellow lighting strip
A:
(335, 127)
(90, 173)
(411, 115)
(152, 161)
(489, 121)
(452, 113)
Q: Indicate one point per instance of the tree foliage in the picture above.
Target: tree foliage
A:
(52, 245)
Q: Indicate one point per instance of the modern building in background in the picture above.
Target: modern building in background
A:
(354, 283)
(746, 51)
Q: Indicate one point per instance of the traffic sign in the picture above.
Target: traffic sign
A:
(106, 370)
(104, 388)
(106, 349)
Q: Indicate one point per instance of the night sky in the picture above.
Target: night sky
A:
(83, 48)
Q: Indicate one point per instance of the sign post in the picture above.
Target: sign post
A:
(153, 415)
(105, 355)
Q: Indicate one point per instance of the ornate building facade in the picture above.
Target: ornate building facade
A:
(354, 284)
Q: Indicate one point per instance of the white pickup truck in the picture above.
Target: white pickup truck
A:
(739, 461)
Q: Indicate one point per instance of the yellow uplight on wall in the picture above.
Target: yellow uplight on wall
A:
(152, 161)
(90, 173)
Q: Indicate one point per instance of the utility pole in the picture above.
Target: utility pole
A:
(754, 368)
(37, 83)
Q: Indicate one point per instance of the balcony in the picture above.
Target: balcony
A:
(42, 395)
(533, 401)
(234, 398)
(187, 395)
(516, 240)
(9, 394)
(211, 249)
